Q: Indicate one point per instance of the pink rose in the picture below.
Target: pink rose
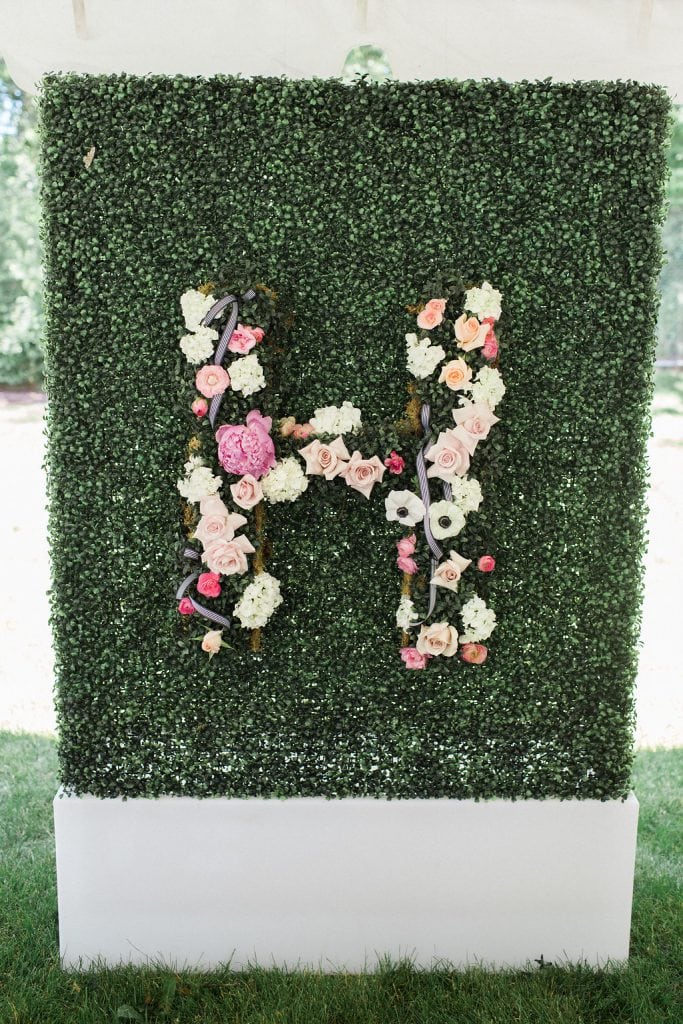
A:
(200, 407)
(244, 338)
(302, 431)
(490, 349)
(211, 380)
(247, 449)
(216, 521)
(212, 641)
(185, 606)
(408, 565)
(362, 474)
(247, 492)
(449, 455)
(395, 463)
(476, 419)
(228, 557)
(438, 639)
(448, 573)
(456, 375)
(486, 563)
(432, 314)
(326, 460)
(406, 545)
(475, 654)
(209, 584)
(470, 333)
(413, 658)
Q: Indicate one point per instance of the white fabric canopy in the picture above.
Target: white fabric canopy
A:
(510, 39)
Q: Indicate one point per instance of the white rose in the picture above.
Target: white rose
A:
(195, 305)
(423, 358)
(246, 375)
(488, 387)
(478, 619)
(484, 301)
(286, 481)
(199, 346)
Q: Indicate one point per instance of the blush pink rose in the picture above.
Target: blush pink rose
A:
(449, 456)
(475, 654)
(326, 460)
(470, 333)
(448, 573)
(244, 338)
(228, 557)
(476, 420)
(212, 380)
(362, 474)
(395, 463)
(413, 658)
(185, 606)
(406, 564)
(406, 545)
(209, 584)
(212, 641)
(302, 430)
(200, 407)
(247, 492)
(432, 315)
(438, 639)
(216, 521)
(247, 449)
(486, 563)
(490, 349)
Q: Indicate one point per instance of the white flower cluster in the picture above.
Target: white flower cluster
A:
(195, 305)
(423, 358)
(246, 375)
(198, 482)
(331, 420)
(406, 614)
(478, 619)
(484, 301)
(286, 481)
(198, 346)
(258, 601)
(488, 387)
(466, 493)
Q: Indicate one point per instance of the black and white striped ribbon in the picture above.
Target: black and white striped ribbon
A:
(220, 620)
(226, 334)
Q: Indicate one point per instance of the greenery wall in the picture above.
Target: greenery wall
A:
(351, 198)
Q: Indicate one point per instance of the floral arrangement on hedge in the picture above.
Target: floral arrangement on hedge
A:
(248, 466)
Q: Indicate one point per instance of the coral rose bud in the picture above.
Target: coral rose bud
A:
(475, 654)
(200, 407)
(486, 563)
(185, 606)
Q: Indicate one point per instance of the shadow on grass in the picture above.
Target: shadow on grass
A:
(34, 989)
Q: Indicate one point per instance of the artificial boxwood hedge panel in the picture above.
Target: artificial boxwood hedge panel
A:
(350, 201)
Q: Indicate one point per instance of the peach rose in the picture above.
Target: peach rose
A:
(200, 407)
(228, 556)
(326, 460)
(439, 638)
(449, 572)
(212, 380)
(212, 641)
(362, 474)
(470, 333)
(247, 492)
(456, 375)
(449, 455)
(476, 419)
(475, 654)
(432, 314)
(216, 521)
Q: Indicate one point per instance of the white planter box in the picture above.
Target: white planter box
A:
(337, 883)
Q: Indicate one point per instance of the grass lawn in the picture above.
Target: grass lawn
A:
(33, 989)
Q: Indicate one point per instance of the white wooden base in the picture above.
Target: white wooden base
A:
(338, 883)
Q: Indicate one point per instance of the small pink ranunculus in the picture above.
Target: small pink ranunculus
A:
(413, 658)
(448, 573)
(438, 639)
(185, 606)
(362, 474)
(406, 545)
(476, 419)
(200, 407)
(212, 641)
(216, 521)
(326, 460)
(247, 448)
(407, 564)
(302, 431)
(449, 456)
(228, 557)
(395, 463)
(432, 315)
(475, 654)
(209, 584)
(212, 380)
(247, 492)
(470, 333)
(486, 563)
(243, 339)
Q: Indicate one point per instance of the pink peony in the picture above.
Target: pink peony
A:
(413, 658)
(406, 545)
(212, 380)
(247, 492)
(475, 654)
(362, 474)
(228, 556)
(243, 339)
(209, 584)
(432, 314)
(406, 564)
(395, 463)
(486, 563)
(200, 407)
(185, 606)
(247, 449)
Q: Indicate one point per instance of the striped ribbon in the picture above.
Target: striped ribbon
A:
(220, 620)
(226, 334)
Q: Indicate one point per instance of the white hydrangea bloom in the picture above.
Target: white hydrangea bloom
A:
(484, 301)
(423, 357)
(246, 375)
(195, 305)
(488, 387)
(478, 619)
(198, 482)
(466, 493)
(405, 613)
(198, 347)
(258, 601)
(333, 420)
(286, 481)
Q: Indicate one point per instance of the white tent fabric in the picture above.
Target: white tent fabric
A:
(510, 39)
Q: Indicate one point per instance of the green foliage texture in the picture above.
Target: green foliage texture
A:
(351, 198)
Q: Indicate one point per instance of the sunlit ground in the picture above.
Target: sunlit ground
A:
(26, 661)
